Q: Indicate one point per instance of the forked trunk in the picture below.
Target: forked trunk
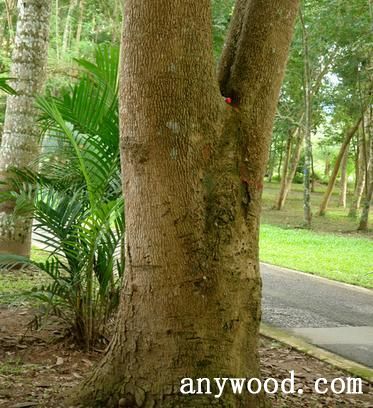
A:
(19, 144)
(193, 170)
(347, 139)
(285, 185)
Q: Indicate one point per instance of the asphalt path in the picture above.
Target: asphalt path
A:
(331, 315)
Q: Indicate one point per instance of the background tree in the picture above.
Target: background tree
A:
(19, 144)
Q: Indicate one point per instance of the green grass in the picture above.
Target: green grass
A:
(15, 367)
(335, 221)
(14, 284)
(346, 259)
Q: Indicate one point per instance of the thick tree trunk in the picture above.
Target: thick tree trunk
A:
(349, 135)
(19, 145)
(344, 180)
(285, 185)
(361, 174)
(193, 172)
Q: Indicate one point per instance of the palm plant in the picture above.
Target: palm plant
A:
(74, 195)
(5, 87)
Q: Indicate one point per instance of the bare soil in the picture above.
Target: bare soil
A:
(38, 368)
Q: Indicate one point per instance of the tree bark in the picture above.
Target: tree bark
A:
(307, 213)
(364, 219)
(361, 174)
(285, 166)
(327, 166)
(347, 139)
(67, 29)
(57, 28)
(285, 185)
(344, 179)
(80, 23)
(193, 171)
(19, 144)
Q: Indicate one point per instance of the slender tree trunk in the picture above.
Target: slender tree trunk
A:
(19, 145)
(327, 166)
(361, 175)
(313, 174)
(80, 22)
(285, 185)
(10, 6)
(364, 219)
(356, 162)
(57, 28)
(193, 173)
(344, 179)
(67, 29)
(285, 166)
(307, 217)
(279, 166)
(349, 135)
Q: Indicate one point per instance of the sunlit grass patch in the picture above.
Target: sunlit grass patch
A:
(346, 259)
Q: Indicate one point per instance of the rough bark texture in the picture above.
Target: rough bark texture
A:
(19, 144)
(347, 139)
(193, 170)
(344, 180)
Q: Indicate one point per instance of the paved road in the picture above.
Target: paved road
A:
(331, 315)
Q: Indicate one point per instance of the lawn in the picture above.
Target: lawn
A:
(332, 248)
(336, 220)
(345, 259)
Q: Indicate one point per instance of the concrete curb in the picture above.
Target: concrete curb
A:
(356, 369)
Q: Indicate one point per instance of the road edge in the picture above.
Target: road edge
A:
(322, 278)
(298, 343)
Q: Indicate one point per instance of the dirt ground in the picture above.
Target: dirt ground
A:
(38, 368)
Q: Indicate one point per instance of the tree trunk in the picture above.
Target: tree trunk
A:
(327, 166)
(344, 179)
(307, 217)
(19, 145)
(361, 174)
(364, 219)
(80, 22)
(285, 166)
(313, 174)
(193, 173)
(285, 186)
(67, 29)
(349, 135)
(57, 28)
